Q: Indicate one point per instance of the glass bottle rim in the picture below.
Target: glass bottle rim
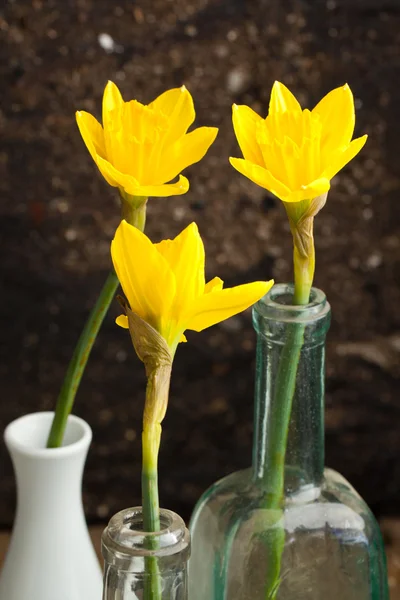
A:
(277, 305)
(125, 536)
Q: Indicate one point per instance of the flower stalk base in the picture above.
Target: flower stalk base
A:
(133, 209)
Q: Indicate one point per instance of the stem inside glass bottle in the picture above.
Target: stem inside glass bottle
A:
(284, 337)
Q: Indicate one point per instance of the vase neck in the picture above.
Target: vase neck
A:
(48, 479)
(288, 450)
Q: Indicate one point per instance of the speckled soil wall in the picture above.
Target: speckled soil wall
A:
(58, 216)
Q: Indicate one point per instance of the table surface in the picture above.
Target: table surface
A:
(390, 528)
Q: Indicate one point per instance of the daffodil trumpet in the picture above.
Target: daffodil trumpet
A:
(294, 154)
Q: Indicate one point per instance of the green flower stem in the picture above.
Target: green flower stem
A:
(303, 274)
(274, 471)
(154, 352)
(79, 359)
(134, 211)
(159, 374)
(150, 505)
(301, 220)
(281, 410)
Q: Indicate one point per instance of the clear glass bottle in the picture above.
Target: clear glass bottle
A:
(145, 566)
(320, 541)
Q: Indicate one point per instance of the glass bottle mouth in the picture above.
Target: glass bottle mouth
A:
(277, 305)
(125, 538)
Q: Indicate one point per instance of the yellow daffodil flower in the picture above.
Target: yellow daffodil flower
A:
(166, 294)
(141, 148)
(165, 286)
(294, 153)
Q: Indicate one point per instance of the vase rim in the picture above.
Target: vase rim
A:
(28, 435)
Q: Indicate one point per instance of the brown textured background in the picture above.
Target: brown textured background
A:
(58, 216)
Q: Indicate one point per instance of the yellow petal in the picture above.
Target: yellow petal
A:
(194, 145)
(183, 338)
(116, 178)
(165, 190)
(113, 110)
(177, 105)
(215, 285)
(310, 191)
(336, 112)
(122, 321)
(113, 124)
(245, 125)
(260, 176)
(112, 106)
(282, 100)
(185, 256)
(220, 305)
(92, 133)
(188, 150)
(144, 274)
(340, 159)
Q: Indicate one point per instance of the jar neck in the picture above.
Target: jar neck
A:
(288, 450)
(145, 564)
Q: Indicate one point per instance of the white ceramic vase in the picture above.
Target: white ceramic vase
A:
(51, 556)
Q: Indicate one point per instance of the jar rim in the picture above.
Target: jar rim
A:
(125, 535)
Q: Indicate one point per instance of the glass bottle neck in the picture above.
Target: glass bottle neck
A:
(288, 450)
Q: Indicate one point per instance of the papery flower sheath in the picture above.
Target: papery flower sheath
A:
(142, 148)
(294, 153)
(165, 286)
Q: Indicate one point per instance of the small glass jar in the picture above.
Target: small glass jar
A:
(142, 565)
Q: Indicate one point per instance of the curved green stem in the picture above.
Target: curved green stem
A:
(134, 211)
(79, 359)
